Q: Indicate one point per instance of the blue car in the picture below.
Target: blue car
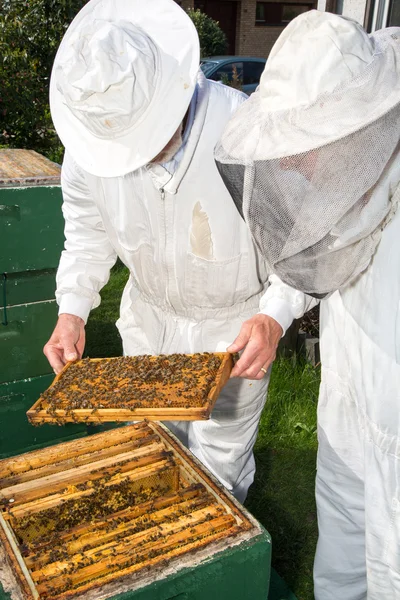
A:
(221, 68)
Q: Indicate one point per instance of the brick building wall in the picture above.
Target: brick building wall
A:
(251, 39)
(185, 4)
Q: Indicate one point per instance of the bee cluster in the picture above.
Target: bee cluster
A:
(175, 380)
(112, 522)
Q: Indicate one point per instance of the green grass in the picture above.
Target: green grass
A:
(282, 497)
(102, 337)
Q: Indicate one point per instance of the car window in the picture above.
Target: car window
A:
(207, 66)
(225, 72)
(252, 72)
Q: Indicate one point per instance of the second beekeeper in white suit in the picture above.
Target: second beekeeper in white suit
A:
(327, 118)
(140, 123)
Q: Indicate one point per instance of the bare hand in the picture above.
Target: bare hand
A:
(260, 336)
(67, 342)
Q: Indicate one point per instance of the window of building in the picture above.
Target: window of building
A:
(382, 13)
(394, 14)
(279, 13)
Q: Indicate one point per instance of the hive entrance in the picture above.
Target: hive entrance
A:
(173, 387)
(82, 514)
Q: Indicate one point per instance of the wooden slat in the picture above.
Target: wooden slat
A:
(125, 515)
(26, 167)
(49, 577)
(70, 450)
(17, 555)
(92, 543)
(164, 558)
(39, 488)
(143, 442)
(24, 509)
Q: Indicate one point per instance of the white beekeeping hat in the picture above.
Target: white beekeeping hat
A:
(122, 81)
(311, 159)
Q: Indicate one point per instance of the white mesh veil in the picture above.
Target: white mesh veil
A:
(316, 215)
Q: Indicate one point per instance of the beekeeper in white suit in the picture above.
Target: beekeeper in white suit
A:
(327, 118)
(140, 123)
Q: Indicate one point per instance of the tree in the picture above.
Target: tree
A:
(213, 40)
(30, 32)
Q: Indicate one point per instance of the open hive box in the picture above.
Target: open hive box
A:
(176, 387)
(88, 515)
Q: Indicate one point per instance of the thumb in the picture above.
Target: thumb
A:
(241, 340)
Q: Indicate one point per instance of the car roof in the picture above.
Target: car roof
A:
(220, 59)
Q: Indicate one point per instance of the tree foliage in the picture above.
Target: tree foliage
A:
(30, 32)
(213, 40)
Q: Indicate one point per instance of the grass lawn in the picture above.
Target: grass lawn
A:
(282, 497)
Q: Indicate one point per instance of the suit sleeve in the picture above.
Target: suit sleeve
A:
(88, 256)
(284, 304)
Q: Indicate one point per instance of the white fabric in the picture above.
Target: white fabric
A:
(176, 300)
(358, 492)
(316, 208)
(316, 52)
(313, 91)
(122, 79)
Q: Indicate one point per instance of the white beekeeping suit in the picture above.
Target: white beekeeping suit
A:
(328, 111)
(195, 275)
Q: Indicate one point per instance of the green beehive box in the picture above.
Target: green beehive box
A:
(31, 241)
(17, 435)
(31, 224)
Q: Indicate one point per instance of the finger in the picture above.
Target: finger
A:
(255, 355)
(257, 374)
(242, 339)
(80, 346)
(54, 356)
(69, 349)
(258, 377)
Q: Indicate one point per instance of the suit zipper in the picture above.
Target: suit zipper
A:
(165, 264)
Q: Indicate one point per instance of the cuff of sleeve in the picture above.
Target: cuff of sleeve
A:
(280, 310)
(73, 304)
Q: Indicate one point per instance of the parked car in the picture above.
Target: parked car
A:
(221, 68)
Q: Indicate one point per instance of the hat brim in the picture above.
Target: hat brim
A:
(256, 133)
(176, 37)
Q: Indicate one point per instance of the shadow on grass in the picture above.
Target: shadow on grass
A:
(282, 499)
(103, 339)
(102, 336)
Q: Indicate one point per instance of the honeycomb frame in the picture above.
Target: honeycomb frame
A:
(154, 401)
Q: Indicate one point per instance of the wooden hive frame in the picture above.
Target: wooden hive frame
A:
(175, 511)
(40, 415)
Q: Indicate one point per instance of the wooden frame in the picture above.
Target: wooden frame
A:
(121, 546)
(36, 415)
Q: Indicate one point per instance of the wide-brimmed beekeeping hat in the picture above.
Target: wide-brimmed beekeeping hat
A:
(122, 80)
(311, 158)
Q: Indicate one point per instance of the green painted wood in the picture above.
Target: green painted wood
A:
(28, 286)
(31, 228)
(17, 435)
(28, 328)
(239, 573)
(278, 588)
